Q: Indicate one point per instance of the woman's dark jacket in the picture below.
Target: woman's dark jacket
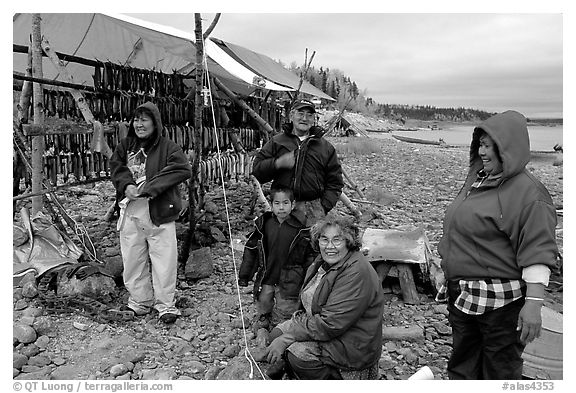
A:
(166, 167)
(347, 312)
(316, 174)
(300, 256)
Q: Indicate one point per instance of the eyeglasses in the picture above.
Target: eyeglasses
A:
(336, 241)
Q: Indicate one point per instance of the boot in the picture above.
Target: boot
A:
(276, 370)
(262, 321)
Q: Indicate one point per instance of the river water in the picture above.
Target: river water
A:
(542, 138)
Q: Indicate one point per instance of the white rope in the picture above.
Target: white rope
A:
(247, 353)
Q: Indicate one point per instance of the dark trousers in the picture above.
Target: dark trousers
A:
(314, 369)
(485, 346)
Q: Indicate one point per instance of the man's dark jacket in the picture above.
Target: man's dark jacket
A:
(316, 174)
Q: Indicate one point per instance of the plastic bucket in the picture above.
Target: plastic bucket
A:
(543, 357)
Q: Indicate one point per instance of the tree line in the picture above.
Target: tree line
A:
(346, 92)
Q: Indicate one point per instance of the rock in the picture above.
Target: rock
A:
(42, 342)
(59, 361)
(442, 328)
(32, 312)
(212, 372)
(441, 309)
(386, 364)
(390, 346)
(196, 367)
(24, 333)
(35, 373)
(211, 207)
(80, 326)
(125, 377)
(68, 372)
(217, 234)
(27, 320)
(20, 304)
(39, 360)
(30, 289)
(19, 360)
(30, 350)
(237, 369)
(160, 373)
(199, 264)
(134, 356)
(262, 337)
(408, 333)
(43, 325)
(187, 334)
(118, 369)
(96, 286)
(231, 350)
(222, 318)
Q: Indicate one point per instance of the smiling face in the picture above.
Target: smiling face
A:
(143, 125)
(302, 119)
(332, 245)
(489, 156)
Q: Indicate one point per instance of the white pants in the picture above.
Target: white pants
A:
(149, 284)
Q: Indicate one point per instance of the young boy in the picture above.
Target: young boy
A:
(279, 252)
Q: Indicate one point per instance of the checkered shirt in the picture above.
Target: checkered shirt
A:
(480, 296)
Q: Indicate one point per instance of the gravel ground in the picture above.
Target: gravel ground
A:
(407, 185)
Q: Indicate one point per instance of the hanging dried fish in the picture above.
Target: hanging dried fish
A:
(97, 77)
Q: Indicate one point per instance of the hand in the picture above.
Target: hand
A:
(276, 349)
(530, 321)
(285, 161)
(131, 192)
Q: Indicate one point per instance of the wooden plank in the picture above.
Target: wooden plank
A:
(382, 269)
(62, 128)
(409, 292)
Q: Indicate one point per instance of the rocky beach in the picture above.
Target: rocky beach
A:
(405, 185)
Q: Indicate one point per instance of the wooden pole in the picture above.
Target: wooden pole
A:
(37, 141)
(353, 185)
(269, 131)
(193, 185)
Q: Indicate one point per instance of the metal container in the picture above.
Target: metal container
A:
(543, 357)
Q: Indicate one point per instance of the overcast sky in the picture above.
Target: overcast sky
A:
(489, 61)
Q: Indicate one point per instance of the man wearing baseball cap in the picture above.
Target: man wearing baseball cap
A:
(300, 159)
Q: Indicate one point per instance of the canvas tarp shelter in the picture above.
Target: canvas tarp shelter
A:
(135, 43)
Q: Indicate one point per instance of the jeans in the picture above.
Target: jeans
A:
(485, 346)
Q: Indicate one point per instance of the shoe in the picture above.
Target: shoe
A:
(168, 318)
(261, 322)
(126, 308)
(276, 370)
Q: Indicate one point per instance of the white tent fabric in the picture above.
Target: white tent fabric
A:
(238, 69)
(131, 42)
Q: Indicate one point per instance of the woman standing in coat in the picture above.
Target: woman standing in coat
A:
(146, 169)
(338, 332)
(497, 250)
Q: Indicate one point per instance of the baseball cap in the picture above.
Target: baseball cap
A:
(299, 104)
